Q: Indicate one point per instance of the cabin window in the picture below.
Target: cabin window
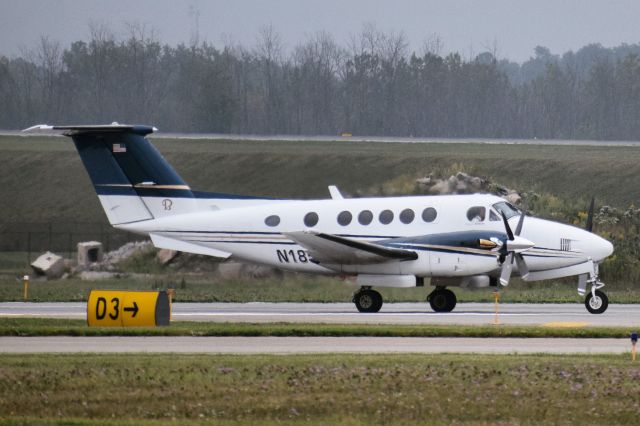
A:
(311, 219)
(407, 216)
(272, 220)
(476, 214)
(429, 214)
(386, 217)
(344, 218)
(365, 217)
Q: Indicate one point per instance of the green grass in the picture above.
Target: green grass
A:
(67, 327)
(318, 389)
(53, 186)
(289, 288)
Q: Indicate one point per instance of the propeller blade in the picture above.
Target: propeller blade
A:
(523, 269)
(506, 226)
(507, 267)
(520, 222)
(589, 226)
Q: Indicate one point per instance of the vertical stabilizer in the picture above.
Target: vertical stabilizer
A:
(132, 179)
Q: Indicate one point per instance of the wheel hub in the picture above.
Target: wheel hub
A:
(439, 300)
(366, 301)
(595, 302)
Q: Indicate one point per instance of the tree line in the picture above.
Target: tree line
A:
(372, 85)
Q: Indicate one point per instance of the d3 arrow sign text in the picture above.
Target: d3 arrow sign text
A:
(107, 308)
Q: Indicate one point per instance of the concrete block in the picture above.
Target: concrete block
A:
(49, 264)
(89, 252)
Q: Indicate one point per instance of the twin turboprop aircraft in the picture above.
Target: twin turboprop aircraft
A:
(455, 240)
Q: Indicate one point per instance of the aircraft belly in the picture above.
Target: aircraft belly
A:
(387, 268)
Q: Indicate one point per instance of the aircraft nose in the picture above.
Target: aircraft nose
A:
(600, 248)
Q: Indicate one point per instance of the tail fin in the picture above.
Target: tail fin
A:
(133, 181)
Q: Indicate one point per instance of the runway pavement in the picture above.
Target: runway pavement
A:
(345, 313)
(304, 345)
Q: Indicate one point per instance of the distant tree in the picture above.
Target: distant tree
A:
(372, 85)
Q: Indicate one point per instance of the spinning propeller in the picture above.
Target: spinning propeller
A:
(512, 249)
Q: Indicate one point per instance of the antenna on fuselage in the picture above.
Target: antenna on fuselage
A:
(335, 193)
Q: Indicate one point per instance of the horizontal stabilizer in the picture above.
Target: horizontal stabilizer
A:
(172, 244)
(83, 128)
(332, 249)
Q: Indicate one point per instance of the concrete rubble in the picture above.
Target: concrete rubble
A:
(49, 264)
(166, 256)
(463, 183)
(125, 252)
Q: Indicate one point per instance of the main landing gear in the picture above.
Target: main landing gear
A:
(442, 300)
(367, 300)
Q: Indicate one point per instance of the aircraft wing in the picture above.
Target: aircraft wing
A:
(332, 249)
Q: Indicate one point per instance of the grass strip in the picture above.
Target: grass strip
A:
(69, 327)
(318, 389)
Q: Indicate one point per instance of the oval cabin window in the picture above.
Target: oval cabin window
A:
(272, 220)
(365, 217)
(429, 214)
(386, 217)
(407, 216)
(344, 218)
(311, 219)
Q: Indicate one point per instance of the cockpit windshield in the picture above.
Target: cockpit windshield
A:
(506, 208)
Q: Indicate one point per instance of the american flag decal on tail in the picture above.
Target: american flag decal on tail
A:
(119, 147)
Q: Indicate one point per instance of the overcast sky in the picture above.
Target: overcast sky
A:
(515, 27)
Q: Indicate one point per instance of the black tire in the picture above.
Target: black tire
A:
(596, 305)
(368, 301)
(442, 300)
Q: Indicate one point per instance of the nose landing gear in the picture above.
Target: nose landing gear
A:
(596, 301)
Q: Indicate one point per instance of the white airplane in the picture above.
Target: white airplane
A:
(449, 241)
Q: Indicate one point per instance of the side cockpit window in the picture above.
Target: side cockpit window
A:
(476, 214)
(508, 209)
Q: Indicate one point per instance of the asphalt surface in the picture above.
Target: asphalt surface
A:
(569, 315)
(305, 345)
